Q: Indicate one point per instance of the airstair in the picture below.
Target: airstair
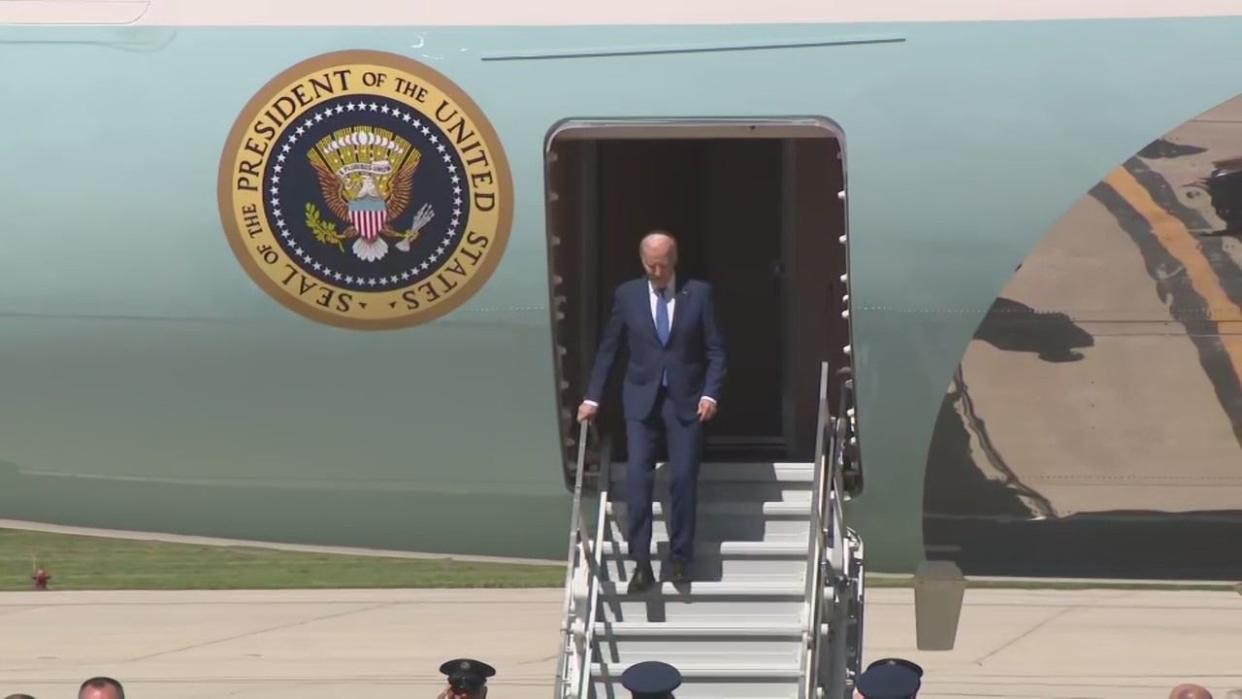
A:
(775, 608)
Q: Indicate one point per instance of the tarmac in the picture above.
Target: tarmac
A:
(389, 643)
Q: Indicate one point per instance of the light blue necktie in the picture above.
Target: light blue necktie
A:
(662, 328)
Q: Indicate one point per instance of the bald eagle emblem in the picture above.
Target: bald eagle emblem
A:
(366, 175)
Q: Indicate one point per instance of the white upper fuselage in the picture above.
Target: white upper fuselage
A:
(560, 13)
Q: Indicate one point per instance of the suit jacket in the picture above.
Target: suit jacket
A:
(694, 357)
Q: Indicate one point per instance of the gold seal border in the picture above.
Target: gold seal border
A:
(500, 162)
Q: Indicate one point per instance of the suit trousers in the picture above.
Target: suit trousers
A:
(685, 449)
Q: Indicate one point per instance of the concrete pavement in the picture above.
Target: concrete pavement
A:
(1102, 644)
(388, 643)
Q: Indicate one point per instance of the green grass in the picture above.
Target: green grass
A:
(95, 563)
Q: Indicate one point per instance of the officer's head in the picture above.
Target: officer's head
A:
(1190, 691)
(101, 688)
(467, 678)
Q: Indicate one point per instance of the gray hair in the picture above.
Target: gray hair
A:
(657, 233)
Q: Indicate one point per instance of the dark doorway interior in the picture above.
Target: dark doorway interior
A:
(758, 218)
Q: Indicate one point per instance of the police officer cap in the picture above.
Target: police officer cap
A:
(890, 680)
(651, 680)
(467, 674)
(897, 661)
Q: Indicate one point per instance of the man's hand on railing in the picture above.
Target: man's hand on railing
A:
(587, 411)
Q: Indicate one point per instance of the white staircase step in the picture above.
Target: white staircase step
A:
(686, 609)
(723, 491)
(752, 591)
(708, 567)
(701, 643)
(780, 508)
(779, 559)
(638, 629)
(796, 472)
(699, 651)
(737, 549)
(720, 529)
(729, 521)
(772, 591)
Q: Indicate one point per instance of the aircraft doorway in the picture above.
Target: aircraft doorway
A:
(756, 213)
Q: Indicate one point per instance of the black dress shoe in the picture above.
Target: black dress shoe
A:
(681, 573)
(643, 578)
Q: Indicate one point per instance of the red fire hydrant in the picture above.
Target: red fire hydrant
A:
(41, 579)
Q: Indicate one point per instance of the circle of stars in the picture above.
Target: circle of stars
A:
(295, 248)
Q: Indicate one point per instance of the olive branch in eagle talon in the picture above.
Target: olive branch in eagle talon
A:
(324, 231)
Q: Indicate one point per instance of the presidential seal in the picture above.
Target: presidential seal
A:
(365, 190)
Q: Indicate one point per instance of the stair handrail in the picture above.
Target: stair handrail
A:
(594, 562)
(826, 549)
(579, 553)
(839, 540)
(837, 561)
(840, 442)
(815, 543)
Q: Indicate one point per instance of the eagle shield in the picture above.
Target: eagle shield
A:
(366, 176)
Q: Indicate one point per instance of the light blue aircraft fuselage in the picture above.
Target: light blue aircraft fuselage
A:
(148, 382)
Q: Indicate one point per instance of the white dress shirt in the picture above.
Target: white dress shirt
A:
(654, 297)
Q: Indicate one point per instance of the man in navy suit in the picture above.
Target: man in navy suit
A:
(674, 377)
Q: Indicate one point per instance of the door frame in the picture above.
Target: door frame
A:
(568, 388)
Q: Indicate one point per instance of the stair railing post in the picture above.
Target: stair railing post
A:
(575, 558)
(840, 560)
(594, 558)
(815, 543)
